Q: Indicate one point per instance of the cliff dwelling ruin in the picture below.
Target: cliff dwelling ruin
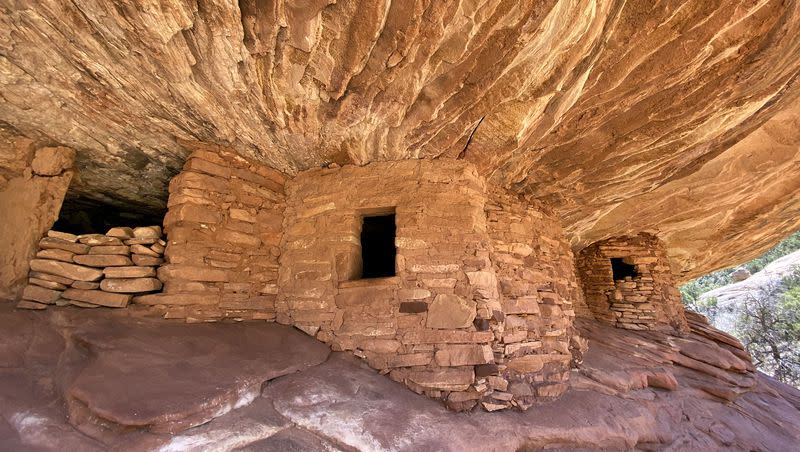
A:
(280, 219)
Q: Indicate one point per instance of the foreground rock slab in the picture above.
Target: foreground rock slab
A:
(141, 384)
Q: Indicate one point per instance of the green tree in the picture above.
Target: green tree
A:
(768, 325)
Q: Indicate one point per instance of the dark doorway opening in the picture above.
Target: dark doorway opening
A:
(377, 246)
(622, 269)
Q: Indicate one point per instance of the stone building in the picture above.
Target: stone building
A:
(459, 290)
(627, 283)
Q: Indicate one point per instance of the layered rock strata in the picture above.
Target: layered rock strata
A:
(93, 270)
(646, 299)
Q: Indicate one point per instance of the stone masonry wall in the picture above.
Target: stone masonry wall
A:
(439, 325)
(223, 232)
(538, 294)
(481, 305)
(650, 300)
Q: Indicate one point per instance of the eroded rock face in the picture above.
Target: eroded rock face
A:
(631, 117)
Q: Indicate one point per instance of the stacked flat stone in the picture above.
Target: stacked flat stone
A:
(631, 306)
(93, 270)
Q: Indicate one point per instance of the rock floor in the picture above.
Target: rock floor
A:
(113, 380)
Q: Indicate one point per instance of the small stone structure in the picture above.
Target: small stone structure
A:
(627, 283)
(93, 270)
(475, 306)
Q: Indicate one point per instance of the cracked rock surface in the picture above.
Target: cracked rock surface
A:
(676, 117)
(144, 384)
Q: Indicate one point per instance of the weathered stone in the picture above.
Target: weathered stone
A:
(146, 261)
(450, 312)
(463, 355)
(46, 284)
(99, 240)
(62, 235)
(56, 254)
(191, 273)
(27, 304)
(85, 285)
(122, 250)
(52, 161)
(66, 270)
(129, 272)
(130, 285)
(98, 297)
(50, 277)
(123, 233)
(59, 244)
(40, 294)
(103, 260)
(143, 250)
(147, 232)
(447, 379)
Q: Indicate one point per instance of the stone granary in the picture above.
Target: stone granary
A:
(491, 204)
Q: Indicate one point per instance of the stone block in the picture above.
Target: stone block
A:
(46, 284)
(146, 261)
(99, 240)
(146, 232)
(178, 299)
(121, 250)
(60, 244)
(464, 355)
(66, 270)
(123, 233)
(85, 285)
(102, 260)
(446, 379)
(40, 294)
(62, 235)
(144, 251)
(56, 254)
(449, 311)
(130, 285)
(32, 305)
(192, 273)
(98, 297)
(129, 272)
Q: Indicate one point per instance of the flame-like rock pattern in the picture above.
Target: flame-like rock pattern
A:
(672, 117)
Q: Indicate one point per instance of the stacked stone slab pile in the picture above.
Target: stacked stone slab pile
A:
(92, 270)
(649, 300)
(224, 228)
(631, 303)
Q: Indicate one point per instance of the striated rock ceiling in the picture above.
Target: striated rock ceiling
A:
(674, 117)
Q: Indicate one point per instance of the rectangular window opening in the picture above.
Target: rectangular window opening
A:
(378, 252)
(622, 268)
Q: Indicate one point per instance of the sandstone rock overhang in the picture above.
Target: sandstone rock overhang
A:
(679, 119)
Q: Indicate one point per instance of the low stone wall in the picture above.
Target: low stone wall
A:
(224, 227)
(649, 300)
(94, 270)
